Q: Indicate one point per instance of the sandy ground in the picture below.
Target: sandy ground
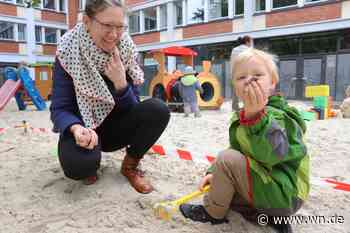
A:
(35, 197)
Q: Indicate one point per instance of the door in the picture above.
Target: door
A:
(288, 74)
(313, 74)
(43, 81)
(297, 73)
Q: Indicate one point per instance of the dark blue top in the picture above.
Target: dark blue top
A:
(64, 107)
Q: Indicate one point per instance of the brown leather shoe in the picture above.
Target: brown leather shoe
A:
(135, 176)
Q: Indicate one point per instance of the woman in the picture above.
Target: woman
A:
(95, 103)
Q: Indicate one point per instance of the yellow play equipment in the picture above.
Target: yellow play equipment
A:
(162, 84)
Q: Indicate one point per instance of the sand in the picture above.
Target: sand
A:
(35, 196)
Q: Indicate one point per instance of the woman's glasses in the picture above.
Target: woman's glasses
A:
(109, 28)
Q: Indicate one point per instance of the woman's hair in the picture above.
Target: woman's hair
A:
(93, 7)
(244, 40)
(347, 91)
(267, 58)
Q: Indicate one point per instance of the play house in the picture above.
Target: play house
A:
(161, 85)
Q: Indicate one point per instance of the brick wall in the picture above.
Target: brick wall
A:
(304, 15)
(9, 47)
(53, 16)
(152, 37)
(49, 49)
(8, 9)
(207, 29)
(73, 9)
(132, 2)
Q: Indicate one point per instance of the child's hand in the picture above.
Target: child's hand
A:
(205, 181)
(254, 99)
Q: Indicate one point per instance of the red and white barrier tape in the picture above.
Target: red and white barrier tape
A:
(2, 130)
(183, 154)
(35, 130)
(189, 156)
(330, 183)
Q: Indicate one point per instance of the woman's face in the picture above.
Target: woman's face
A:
(106, 28)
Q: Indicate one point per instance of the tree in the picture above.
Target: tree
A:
(199, 14)
(31, 3)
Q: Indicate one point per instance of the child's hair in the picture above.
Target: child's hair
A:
(347, 92)
(267, 58)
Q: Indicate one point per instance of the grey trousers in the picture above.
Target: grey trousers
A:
(191, 107)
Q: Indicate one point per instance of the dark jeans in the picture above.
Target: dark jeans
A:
(137, 129)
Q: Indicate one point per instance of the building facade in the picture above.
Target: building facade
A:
(310, 37)
(30, 34)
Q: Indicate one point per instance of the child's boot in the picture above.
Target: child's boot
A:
(198, 213)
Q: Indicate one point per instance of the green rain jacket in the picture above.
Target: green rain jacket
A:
(276, 156)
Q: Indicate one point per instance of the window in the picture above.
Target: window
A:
(308, 1)
(7, 30)
(22, 32)
(49, 4)
(239, 7)
(81, 5)
(285, 46)
(63, 5)
(260, 5)
(319, 44)
(178, 12)
(150, 19)
(50, 35)
(218, 8)
(134, 22)
(345, 40)
(62, 32)
(283, 3)
(20, 2)
(195, 11)
(163, 16)
(38, 35)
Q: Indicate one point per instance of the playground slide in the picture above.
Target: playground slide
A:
(29, 86)
(8, 90)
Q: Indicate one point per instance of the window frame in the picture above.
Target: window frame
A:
(283, 7)
(13, 32)
(221, 17)
(49, 9)
(25, 32)
(259, 11)
(139, 22)
(50, 43)
(144, 19)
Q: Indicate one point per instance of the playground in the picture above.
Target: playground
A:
(35, 197)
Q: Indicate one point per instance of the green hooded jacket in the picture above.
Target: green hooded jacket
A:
(276, 154)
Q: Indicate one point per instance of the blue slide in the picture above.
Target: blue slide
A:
(29, 86)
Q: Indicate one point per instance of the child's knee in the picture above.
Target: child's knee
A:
(230, 158)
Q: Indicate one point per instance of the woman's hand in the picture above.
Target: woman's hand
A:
(206, 180)
(115, 71)
(254, 99)
(84, 137)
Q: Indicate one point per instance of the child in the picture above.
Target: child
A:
(345, 106)
(188, 86)
(266, 169)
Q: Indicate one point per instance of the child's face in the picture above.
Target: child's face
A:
(253, 69)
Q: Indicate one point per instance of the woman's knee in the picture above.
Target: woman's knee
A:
(156, 109)
(77, 162)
